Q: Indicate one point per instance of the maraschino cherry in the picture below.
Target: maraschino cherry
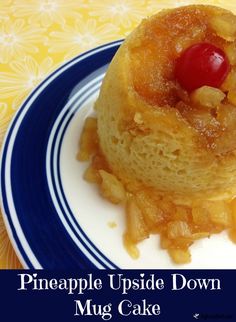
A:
(201, 64)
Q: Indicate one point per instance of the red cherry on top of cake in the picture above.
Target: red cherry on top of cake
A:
(201, 64)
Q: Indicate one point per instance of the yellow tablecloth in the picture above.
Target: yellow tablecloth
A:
(36, 36)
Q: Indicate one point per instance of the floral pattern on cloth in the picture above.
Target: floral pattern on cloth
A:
(37, 36)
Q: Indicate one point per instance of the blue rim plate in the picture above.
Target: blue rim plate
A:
(37, 215)
(55, 219)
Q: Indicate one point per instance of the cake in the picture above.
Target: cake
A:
(164, 141)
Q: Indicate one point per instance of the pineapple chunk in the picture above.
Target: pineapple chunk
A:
(131, 247)
(232, 230)
(178, 228)
(230, 81)
(91, 175)
(88, 139)
(182, 213)
(219, 212)
(232, 96)
(224, 26)
(233, 209)
(111, 188)
(232, 235)
(226, 142)
(200, 216)
(207, 96)
(200, 235)
(230, 51)
(216, 212)
(180, 256)
(136, 227)
(152, 214)
(165, 242)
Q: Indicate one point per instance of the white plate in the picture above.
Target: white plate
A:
(54, 218)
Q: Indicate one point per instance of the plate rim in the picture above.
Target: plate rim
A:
(10, 228)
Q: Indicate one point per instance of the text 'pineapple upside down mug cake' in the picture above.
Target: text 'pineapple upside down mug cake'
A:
(163, 143)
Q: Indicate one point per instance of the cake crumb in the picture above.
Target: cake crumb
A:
(112, 224)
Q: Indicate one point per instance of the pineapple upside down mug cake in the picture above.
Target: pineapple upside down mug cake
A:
(163, 142)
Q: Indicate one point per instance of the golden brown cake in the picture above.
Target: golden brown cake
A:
(166, 130)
